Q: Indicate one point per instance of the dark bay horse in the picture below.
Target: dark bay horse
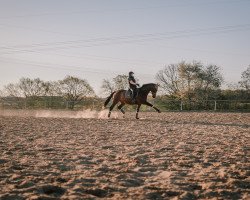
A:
(120, 96)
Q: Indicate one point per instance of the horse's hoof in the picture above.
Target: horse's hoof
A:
(137, 118)
(159, 111)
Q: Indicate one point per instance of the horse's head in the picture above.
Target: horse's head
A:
(154, 90)
(151, 87)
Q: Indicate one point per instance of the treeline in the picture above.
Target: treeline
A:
(72, 90)
(192, 83)
(195, 83)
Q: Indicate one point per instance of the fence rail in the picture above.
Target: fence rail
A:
(96, 104)
(216, 105)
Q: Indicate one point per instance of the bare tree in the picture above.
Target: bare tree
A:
(107, 87)
(2, 93)
(189, 73)
(245, 79)
(50, 88)
(74, 90)
(117, 83)
(121, 82)
(169, 79)
(12, 90)
(27, 87)
(31, 87)
(190, 80)
(210, 79)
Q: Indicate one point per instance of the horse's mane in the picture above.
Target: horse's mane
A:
(144, 85)
(148, 84)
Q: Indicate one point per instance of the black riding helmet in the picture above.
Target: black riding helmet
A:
(131, 73)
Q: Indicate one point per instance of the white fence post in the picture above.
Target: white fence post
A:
(215, 105)
(181, 106)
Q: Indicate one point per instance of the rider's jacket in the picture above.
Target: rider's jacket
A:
(131, 78)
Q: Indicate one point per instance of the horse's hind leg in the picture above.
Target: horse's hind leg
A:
(121, 109)
(111, 108)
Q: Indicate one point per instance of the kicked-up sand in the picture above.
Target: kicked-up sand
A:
(170, 155)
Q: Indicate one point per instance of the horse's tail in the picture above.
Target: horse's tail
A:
(108, 99)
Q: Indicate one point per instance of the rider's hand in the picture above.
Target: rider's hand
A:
(138, 85)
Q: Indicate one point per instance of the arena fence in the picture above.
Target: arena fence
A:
(212, 105)
(49, 103)
(97, 103)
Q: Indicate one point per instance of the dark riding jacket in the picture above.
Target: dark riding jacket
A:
(132, 86)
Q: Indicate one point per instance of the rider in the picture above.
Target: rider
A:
(132, 85)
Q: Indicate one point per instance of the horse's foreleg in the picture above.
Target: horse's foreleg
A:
(121, 109)
(137, 110)
(151, 105)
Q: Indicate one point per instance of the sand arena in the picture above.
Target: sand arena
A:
(171, 155)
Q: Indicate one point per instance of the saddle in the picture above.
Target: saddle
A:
(129, 93)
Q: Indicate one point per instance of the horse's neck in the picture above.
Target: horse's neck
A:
(145, 89)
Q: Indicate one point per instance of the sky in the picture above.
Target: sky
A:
(99, 39)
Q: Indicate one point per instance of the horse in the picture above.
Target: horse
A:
(141, 98)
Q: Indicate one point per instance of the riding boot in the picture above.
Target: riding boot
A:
(133, 100)
(134, 97)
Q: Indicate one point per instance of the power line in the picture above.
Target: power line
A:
(136, 36)
(65, 67)
(104, 58)
(39, 29)
(134, 62)
(126, 39)
(205, 51)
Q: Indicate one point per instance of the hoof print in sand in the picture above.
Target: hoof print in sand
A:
(132, 183)
(97, 192)
(61, 180)
(161, 194)
(11, 197)
(52, 190)
(3, 161)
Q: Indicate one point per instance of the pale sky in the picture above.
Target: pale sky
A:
(97, 39)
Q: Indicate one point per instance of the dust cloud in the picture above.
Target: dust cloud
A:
(103, 114)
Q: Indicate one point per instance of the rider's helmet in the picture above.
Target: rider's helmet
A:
(131, 73)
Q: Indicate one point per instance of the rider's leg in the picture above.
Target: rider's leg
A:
(132, 92)
(134, 95)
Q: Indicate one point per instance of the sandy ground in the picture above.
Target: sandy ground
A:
(162, 156)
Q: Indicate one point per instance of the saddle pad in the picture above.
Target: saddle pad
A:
(128, 94)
